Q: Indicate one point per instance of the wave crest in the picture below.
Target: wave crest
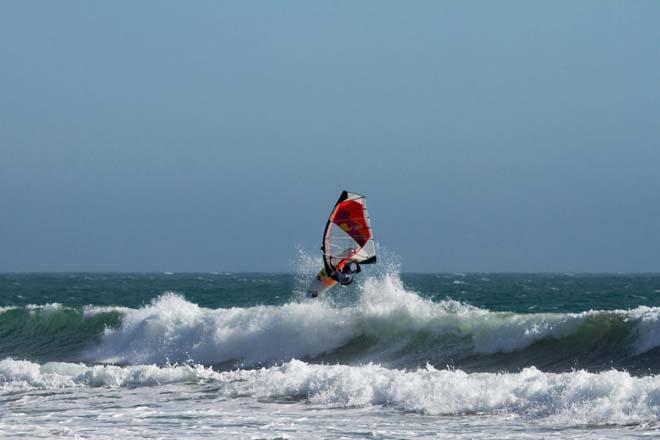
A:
(386, 323)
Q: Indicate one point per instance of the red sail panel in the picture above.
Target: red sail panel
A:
(350, 217)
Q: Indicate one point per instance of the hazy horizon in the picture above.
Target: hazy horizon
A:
(403, 272)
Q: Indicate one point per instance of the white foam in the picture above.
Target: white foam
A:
(19, 374)
(576, 397)
(46, 308)
(573, 398)
(90, 311)
(386, 306)
(173, 329)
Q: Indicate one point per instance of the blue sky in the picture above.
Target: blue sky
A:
(204, 136)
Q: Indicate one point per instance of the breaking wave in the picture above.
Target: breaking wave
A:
(577, 397)
(386, 324)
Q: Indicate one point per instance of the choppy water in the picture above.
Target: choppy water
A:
(397, 356)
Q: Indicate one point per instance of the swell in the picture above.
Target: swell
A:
(52, 331)
(386, 324)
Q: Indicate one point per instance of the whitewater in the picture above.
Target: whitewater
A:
(397, 356)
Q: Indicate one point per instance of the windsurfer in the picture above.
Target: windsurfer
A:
(345, 275)
(347, 243)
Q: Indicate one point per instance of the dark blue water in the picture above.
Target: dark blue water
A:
(497, 292)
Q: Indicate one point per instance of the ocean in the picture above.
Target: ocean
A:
(395, 356)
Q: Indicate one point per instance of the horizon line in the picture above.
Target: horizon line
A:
(231, 272)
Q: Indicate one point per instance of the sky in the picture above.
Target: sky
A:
(515, 136)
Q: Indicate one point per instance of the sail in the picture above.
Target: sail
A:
(348, 235)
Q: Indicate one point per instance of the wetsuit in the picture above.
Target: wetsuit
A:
(345, 276)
